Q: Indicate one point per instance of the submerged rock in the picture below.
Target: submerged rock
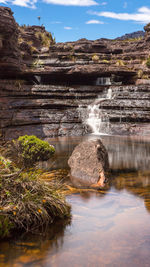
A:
(89, 163)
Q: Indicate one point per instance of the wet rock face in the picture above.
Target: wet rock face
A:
(88, 163)
(9, 52)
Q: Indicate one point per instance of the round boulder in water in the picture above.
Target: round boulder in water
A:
(89, 164)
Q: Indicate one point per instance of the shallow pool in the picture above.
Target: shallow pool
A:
(109, 227)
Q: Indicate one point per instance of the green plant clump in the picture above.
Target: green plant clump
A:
(148, 62)
(33, 149)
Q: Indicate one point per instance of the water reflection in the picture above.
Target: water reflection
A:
(110, 229)
(30, 250)
(135, 183)
(128, 152)
(125, 153)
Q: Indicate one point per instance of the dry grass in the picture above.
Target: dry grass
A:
(45, 38)
(27, 203)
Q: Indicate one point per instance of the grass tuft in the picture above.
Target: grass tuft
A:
(27, 203)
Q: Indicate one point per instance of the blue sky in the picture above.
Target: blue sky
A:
(71, 20)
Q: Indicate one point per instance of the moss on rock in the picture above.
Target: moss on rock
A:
(29, 149)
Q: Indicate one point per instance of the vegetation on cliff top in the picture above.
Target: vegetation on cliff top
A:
(38, 33)
(46, 38)
(27, 203)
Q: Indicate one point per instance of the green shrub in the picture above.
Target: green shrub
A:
(33, 149)
(148, 62)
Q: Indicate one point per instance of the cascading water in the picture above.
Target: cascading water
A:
(103, 81)
(95, 117)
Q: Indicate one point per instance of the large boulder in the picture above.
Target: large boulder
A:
(89, 164)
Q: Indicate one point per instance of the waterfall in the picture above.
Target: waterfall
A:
(109, 94)
(95, 117)
(103, 81)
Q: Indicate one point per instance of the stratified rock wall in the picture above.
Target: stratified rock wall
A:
(52, 110)
(43, 84)
(10, 60)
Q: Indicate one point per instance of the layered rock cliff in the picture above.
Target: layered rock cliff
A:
(133, 35)
(10, 57)
(43, 84)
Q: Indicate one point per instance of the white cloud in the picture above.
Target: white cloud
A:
(67, 28)
(23, 3)
(72, 2)
(31, 3)
(142, 15)
(94, 22)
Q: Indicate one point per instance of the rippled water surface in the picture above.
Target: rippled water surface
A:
(109, 227)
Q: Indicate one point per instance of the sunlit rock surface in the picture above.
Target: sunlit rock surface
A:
(88, 164)
(10, 58)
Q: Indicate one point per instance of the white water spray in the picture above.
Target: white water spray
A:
(95, 117)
